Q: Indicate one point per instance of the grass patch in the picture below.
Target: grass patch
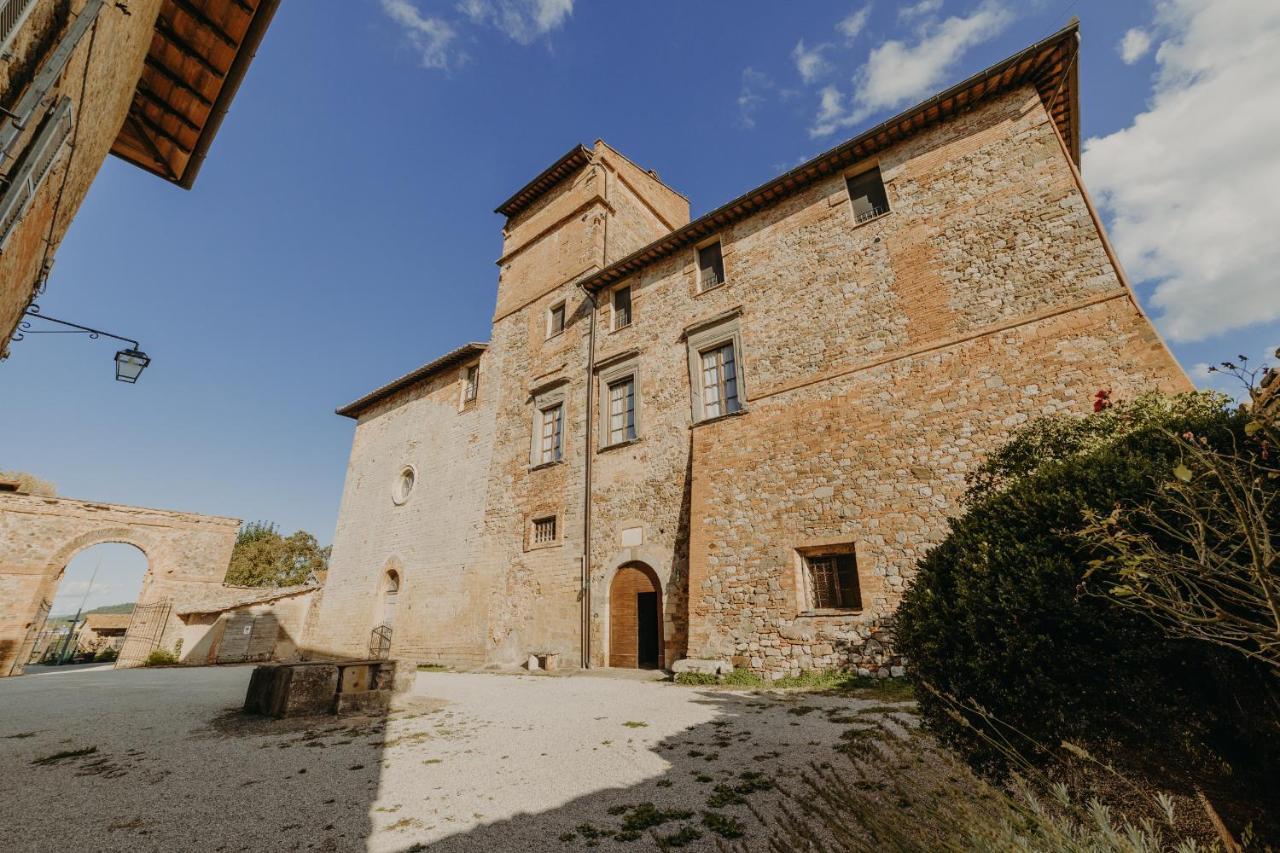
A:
(635, 724)
(749, 782)
(65, 754)
(723, 825)
(647, 815)
(830, 681)
(684, 836)
(432, 667)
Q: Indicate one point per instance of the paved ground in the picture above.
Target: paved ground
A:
(470, 762)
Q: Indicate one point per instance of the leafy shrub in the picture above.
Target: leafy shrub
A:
(106, 655)
(160, 657)
(1001, 615)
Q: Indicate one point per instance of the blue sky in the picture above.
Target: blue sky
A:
(341, 231)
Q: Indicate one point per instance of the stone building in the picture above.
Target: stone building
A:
(732, 438)
(147, 80)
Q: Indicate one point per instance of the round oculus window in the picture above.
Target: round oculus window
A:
(404, 484)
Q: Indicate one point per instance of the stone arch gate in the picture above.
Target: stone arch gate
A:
(187, 558)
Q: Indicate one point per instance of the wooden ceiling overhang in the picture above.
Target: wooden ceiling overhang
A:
(1049, 65)
(200, 51)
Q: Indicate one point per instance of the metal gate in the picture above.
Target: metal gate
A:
(380, 642)
(23, 657)
(146, 628)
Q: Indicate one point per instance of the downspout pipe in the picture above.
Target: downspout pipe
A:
(589, 451)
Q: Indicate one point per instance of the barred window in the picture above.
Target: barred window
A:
(719, 381)
(471, 385)
(550, 437)
(710, 267)
(833, 581)
(544, 530)
(866, 192)
(622, 410)
(622, 307)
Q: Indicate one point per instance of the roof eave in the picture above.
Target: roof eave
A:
(357, 407)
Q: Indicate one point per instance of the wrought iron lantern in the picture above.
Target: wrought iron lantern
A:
(130, 362)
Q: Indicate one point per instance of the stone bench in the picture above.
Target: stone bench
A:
(326, 687)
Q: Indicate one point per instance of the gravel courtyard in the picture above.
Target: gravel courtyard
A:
(158, 759)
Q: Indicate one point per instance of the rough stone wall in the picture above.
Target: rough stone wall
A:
(100, 80)
(535, 605)
(986, 297)
(881, 361)
(187, 556)
(432, 540)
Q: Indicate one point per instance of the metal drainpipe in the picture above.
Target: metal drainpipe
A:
(586, 497)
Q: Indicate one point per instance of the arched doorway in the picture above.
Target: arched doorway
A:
(88, 610)
(635, 619)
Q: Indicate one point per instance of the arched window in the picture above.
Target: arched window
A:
(390, 596)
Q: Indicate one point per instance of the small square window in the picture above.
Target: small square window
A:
(719, 381)
(622, 410)
(549, 440)
(710, 267)
(471, 384)
(555, 320)
(544, 530)
(866, 192)
(622, 307)
(832, 581)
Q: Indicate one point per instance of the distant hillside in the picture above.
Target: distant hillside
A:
(126, 607)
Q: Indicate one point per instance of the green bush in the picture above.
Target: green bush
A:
(160, 657)
(1001, 616)
(106, 655)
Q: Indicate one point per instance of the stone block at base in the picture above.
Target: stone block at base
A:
(702, 667)
(326, 687)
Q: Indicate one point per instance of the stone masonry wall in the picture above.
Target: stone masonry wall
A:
(187, 556)
(433, 540)
(100, 80)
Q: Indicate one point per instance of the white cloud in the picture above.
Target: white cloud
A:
(1201, 370)
(853, 24)
(755, 87)
(810, 62)
(1193, 184)
(923, 9)
(430, 37)
(1134, 45)
(523, 21)
(897, 72)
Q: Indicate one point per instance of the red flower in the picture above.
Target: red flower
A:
(1101, 400)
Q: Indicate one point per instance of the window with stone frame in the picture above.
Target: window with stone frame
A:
(622, 307)
(471, 384)
(550, 437)
(543, 530)
(719, 381)
(716, 377)
(867, 195)
(622, 410)
(831, 581)
(555, 320)
(710, 266)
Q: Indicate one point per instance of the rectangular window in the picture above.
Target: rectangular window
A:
(555, 320)
(622, 410)
(710, 267)
(833, 581)
(866, 192)
(622, 307)
(552, 426)
(471, 385)
(719, 381)
(544, 530)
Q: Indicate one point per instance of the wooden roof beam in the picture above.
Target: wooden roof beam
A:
(208, 23)
(159, 130)
(151, 146)
(151, 97)
(165, 31)
(169, 74)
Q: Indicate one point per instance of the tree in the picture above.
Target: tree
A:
(30, 484)
(262, 557)
(1201, 555)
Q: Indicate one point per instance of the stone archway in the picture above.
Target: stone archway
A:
(186, 553)
(635, 618)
